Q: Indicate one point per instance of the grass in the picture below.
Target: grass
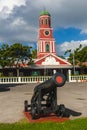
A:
(77, 124)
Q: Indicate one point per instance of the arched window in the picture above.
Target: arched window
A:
(42, 22)
(47, 48)
(46, 21)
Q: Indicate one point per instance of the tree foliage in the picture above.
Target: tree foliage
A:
(16, 52)
(79, 55)
(4, 55)
(34, 53)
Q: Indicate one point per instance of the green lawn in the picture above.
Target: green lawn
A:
(77, 124)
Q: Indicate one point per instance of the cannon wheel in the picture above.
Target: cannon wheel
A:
(34, 110)
(26, 105)
(61, 110)
(33, 113)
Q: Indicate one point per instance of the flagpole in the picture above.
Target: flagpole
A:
(73, 61)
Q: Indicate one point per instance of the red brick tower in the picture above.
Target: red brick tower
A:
(46, 52)
(46, 42)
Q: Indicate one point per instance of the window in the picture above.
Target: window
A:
(42, 22)
(47, 48)
(46, 21)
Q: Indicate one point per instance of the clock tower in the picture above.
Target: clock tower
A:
(46, 42)
(46, 50)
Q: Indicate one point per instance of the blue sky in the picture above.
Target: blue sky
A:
(19, 22)
(61, 35)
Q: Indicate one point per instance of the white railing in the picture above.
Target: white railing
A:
(38, 79)
(79, 78)
(21, 80)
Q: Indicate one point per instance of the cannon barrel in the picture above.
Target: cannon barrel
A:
(57, 80)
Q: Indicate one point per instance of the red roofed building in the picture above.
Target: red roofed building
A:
(46, 48)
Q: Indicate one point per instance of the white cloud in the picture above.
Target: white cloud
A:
(70, 45)
(20, 18)
(6, 7)
(10, 4)
(18, 22)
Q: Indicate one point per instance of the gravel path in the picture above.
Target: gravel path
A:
(72, 95)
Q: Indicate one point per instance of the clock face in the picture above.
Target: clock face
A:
(46, 32)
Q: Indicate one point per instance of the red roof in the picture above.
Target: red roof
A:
(51, 59)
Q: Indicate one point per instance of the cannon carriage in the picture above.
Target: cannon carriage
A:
(44, 99)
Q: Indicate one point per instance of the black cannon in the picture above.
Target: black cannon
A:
(44, 99)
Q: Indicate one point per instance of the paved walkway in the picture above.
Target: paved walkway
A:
(72, 95)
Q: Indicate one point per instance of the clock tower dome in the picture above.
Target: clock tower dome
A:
(46, 42)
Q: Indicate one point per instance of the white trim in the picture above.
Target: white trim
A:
(61, 59)
(54, 46)
(50, 60)
(41, 46)
(51, 46)
(47, 39)
(46, 28)
(45, 15)
(53, 56)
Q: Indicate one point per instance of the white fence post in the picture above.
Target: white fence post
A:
(19, 79)
(69, 73)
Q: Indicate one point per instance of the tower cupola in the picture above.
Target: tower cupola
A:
(44, 20)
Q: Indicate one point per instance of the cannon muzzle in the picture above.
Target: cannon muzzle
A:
(59, 79)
